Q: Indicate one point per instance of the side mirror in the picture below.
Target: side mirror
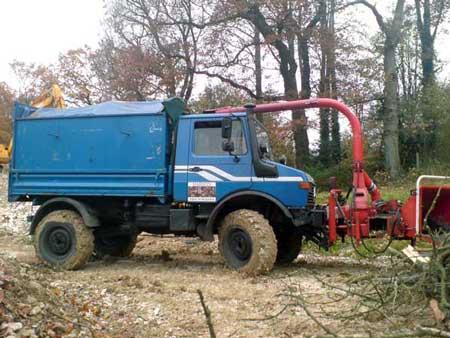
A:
(228, 146)
(227, 126)
(264, 149)
(283, 159)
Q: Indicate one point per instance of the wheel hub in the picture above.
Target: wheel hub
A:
(240, 244)
(59, 241)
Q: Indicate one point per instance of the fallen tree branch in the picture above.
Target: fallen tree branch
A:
(301, 302)
(207, 313)
(269, 317)
(420, 331)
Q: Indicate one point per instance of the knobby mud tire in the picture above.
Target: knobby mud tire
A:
(262, 237)
(82, 240)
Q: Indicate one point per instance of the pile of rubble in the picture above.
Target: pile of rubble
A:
(13, 216)
(31, 307)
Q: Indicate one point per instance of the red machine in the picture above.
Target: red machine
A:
(427, 205)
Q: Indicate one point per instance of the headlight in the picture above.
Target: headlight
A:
(304, 185)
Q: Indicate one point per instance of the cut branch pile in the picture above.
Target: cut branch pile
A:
(411, 292)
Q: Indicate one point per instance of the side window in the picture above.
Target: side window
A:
(208, 138)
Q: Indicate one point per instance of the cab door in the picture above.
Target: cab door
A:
(213, 173)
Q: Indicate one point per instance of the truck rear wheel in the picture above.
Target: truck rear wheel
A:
(63, 241)
(247, 242)
(116, 246)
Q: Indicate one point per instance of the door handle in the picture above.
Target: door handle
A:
(195, 169)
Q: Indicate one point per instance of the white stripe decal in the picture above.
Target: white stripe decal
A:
(226, 175)
(208, 176)
(283, 179)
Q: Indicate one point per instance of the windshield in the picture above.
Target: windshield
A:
(262, 137)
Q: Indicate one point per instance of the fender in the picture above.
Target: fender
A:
(58, 203)
(206, 232)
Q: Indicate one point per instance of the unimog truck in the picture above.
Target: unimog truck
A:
(102, 174)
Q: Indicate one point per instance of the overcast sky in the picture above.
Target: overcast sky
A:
(39, 30)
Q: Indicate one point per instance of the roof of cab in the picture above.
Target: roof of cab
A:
(208, 115)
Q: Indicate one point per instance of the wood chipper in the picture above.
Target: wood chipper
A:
(426, 210)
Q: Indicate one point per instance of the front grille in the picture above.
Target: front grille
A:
(311, 201)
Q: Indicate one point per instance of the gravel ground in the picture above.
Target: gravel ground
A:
(154, 292)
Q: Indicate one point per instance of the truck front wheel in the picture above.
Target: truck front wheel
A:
(63, 241)
(247, 242)
(116, 246)
(289, 245)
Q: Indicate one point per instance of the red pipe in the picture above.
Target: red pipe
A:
(361, 181)
(314, 103)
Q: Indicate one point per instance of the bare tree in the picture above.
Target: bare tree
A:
(232, 53)
(391, 30)
(33, 79)
(164, 31)
(78, 78)
(285, 53)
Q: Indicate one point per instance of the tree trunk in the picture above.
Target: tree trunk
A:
(305, 69)
(426, 41)
(428, 72)
(305, 93)
(390, 113)
(335, 145)
(392, 32)
(299, 116)
(288, 68)
(258, 67)
(324, 90)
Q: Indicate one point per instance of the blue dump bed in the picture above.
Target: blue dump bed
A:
(110, 149)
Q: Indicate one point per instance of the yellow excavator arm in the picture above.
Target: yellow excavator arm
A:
(4, 154)
(50, 98)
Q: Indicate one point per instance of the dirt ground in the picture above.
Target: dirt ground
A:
(154, 292)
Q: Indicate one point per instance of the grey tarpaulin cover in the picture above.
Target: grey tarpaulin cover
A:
(102, 109)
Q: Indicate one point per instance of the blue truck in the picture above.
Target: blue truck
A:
(102, 174)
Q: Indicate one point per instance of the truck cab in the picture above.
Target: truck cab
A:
(205, 159)
(110, 175)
